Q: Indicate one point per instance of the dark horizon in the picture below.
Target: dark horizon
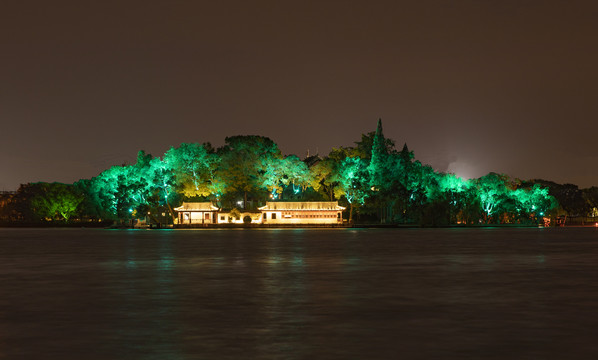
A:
(472, 87)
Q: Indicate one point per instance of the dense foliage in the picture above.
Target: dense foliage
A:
(377, 183)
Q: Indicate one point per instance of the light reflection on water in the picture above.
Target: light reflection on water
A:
(294, 294)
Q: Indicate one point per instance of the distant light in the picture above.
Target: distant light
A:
(463, 170)
(239, 202)
(130, 210)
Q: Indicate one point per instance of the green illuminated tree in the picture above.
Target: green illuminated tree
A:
(245, 165)
(531, 204)
(373, 142)
(354, 179)
(454, 191)
(382, 159)
(57, 201)
(271, 176)
(493, 194)
(194, 167)
(279, 174)
(119, 190)
(374, 178)
(296, 174)
(106, 194)
(325, 176)
(161, 182)
(378, 167)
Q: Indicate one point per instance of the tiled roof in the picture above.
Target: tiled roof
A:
(302, 205)
(197, 206)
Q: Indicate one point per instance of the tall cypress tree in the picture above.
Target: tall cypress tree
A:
(378, 171)
(405, 154)
(378, 158)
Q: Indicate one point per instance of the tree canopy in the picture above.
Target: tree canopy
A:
(373, 179)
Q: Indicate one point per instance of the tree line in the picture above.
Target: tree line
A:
(373, 179)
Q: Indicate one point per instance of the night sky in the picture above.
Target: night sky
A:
(471, 86)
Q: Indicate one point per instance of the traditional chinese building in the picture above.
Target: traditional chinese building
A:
(229, 217)
(305, 212)
(197, 213)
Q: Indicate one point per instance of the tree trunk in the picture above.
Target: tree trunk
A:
(171, 211)
(350, 213)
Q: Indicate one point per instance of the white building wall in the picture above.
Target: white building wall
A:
(285, 219)
(255, 219)
(196, 216)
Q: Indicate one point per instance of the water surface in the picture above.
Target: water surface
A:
(297, 294)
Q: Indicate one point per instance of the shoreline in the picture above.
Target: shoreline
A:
(276, 226)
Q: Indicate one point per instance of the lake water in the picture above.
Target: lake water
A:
(299, 294)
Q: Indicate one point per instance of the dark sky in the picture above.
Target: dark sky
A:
(471, 86)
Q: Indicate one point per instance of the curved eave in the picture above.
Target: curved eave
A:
(265, 208)
(182, 208)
